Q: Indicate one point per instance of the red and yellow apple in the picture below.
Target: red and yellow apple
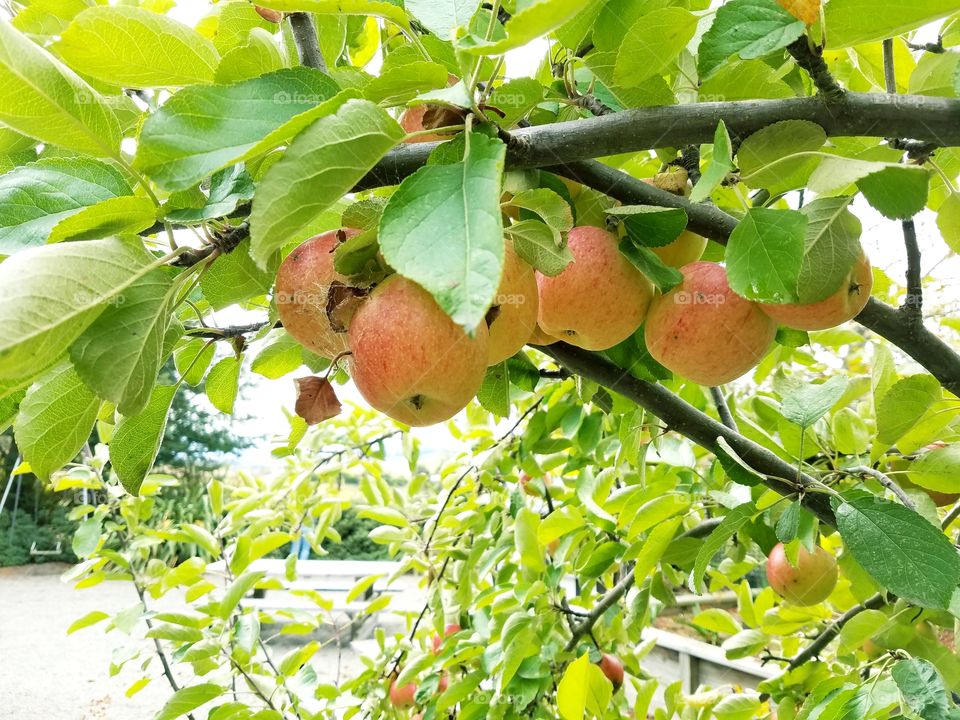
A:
(410, 360)
(437, 641)
(515, 309)
(686, 249)
(612, 667)
(302, 293)
(843, 305)
(401, 696)
(705, 332)
(598, 300)
(809, 582)
(539, 337)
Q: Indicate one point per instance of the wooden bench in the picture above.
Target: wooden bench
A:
(325, 585)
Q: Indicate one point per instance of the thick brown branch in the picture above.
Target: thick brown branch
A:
(687, 420)
(930, 119)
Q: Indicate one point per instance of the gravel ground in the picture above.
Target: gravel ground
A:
(47, 675)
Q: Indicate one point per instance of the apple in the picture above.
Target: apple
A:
(599, 299)
(705, 332)
(410, 360)
(402, 696)
(687, 248)
(613, 669)
(411, 120)
(539, 337)
(303, 283)
(810, 582)
(515, 309)
(843, 305)
(451, 629)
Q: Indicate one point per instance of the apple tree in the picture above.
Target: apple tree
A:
(631, 286)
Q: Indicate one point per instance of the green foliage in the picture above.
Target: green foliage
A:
(154, 173)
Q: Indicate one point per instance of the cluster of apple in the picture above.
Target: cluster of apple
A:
(410, 361)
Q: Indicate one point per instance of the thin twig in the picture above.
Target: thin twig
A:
(723, 410)
(886, 481)
(810, 58)
(605, 603)
(951, 516)
(912, 307)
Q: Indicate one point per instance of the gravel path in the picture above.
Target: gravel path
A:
(47, 675)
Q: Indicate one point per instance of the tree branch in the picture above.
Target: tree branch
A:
(606, 602)
(810, 58)
(912, 307)
(886, 482)
(829, 633)
(305, 38)
(685, 419)
(723, 410)
(931, 119)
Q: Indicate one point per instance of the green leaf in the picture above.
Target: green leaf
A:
(560, 522)
(259, 55)
(281, 356)
(807, 403)
(50, 295)
(948, 220)
(652, 45)
(494, 393)
(318, 168)
(904, 404)
(120, 354)
(788, 524)
(55, 420)
(35, 197)
(721, 164)
(222, 384)
(938, 470)
(647, 262)
(936, 75)
(887, 539)
(116, 216)
(831, 247)
(734, 466)
(516, 99)
(718, 621)
(91, 618)
(188, 699)
(654, 547)
(136, 441)
(44, 99)
(552, 209)
(762, 155)
(237, 590)
(748, 28)
(854, 22)
(228, 188)
(235, 277)
(441, 16)
(402, 83)
(239, 121)
(193, 359)
(87, 537)
(535, 243)
(764, 255)
(526, 531)
(442, 229)
(532, 19)
(135, 47)
(584, 691)
(922, 689)
(651, 225)
(897, 191)
(732, 522)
